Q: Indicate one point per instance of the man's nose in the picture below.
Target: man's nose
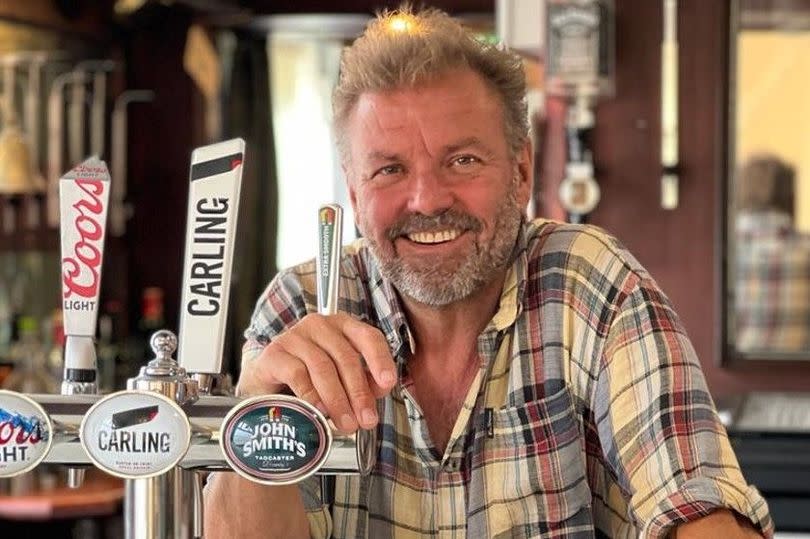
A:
(429, 195)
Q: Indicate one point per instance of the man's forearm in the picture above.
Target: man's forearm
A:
(720, 523)
(236, 507)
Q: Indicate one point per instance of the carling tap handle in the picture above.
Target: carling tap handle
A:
(213, 204)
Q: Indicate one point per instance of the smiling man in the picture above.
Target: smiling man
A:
(526, 378)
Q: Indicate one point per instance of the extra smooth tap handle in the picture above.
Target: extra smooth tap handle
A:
(278, 439)
(327, 271)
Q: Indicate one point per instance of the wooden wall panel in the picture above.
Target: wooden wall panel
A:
(162, 135)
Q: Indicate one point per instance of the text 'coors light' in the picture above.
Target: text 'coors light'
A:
(83, 194)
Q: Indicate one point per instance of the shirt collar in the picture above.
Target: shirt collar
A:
(514, 285)
(391, 318)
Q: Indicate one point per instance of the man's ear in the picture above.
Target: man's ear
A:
(525, 170)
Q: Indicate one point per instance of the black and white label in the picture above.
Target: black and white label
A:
(210, 231)
(134, 434)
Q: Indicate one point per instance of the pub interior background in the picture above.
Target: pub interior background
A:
(184, 73)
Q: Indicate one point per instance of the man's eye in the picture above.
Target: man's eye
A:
(466, 160)
(388, 170)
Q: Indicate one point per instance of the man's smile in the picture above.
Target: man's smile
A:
(440, 236)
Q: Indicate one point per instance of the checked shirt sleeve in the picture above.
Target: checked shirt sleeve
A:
(280, 306)
(659, 429)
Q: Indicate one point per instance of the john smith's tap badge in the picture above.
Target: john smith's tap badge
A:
(275, 439)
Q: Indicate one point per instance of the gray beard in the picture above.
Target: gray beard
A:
(441, 282)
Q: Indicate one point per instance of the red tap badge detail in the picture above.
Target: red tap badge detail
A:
(327, 216)
(80, 271)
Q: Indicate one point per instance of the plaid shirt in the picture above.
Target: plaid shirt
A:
(589, 414)
(772, 292)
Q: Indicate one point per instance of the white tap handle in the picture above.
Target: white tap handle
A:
(213, 205)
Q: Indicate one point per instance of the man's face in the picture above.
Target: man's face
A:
(434, 186)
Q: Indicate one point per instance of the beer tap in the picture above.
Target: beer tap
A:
(164, 429)
(213, 203)
(327, 278)
(84, 194)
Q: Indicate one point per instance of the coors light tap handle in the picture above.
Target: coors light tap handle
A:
(84, 194)
(213, 204)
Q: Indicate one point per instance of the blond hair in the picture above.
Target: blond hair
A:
(403, 48)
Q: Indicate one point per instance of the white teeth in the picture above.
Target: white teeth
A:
(434, 237)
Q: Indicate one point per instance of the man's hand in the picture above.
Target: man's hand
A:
(720, 523)
(321, 359)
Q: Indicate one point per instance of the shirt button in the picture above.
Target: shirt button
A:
(452, 465)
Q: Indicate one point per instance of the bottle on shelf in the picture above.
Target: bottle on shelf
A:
(29, 356)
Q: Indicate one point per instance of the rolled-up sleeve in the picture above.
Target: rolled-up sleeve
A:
(699, 496)
(658, 425)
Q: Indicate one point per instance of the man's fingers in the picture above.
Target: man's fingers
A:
(322, 374)
(337, 363)
(283, 371)
(378, 391)
(351, 370)
(371, 344)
